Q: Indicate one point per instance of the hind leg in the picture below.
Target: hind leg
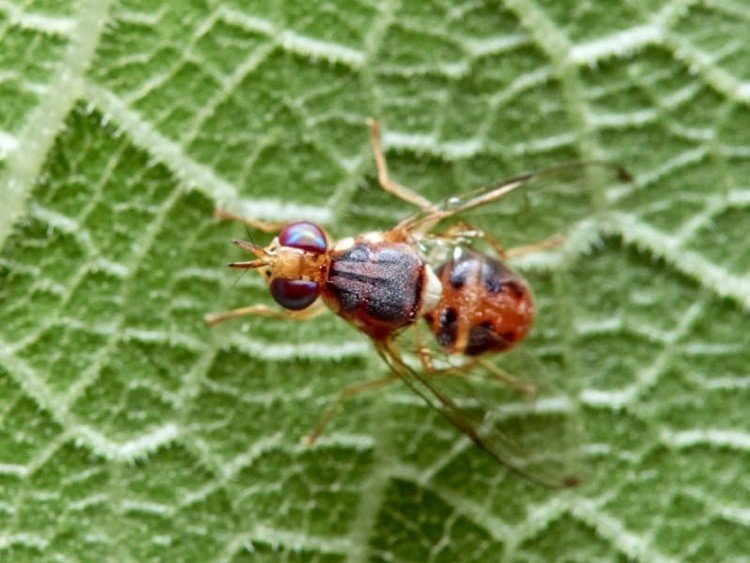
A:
(345, 394)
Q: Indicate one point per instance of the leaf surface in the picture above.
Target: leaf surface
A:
(130, 431)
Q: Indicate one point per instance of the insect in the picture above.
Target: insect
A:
(384, 282)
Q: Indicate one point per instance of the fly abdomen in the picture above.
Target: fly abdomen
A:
(485, 306)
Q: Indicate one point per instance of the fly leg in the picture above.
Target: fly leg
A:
(313, 311)
(425, 359)
(425, 355)
(429, 213)
(466, 231)
(555, 241)
(344, 394)
(463, 230)
(384, 178)
(528, 389)
(264, 226)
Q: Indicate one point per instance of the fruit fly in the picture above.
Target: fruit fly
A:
(383, 282)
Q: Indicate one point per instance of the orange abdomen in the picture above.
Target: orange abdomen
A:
(485, 306)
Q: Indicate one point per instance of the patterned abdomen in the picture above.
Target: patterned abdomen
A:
(485, 306)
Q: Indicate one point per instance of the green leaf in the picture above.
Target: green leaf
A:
(130, 431)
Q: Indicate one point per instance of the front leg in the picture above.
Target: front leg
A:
(264, 226)
(260, 310)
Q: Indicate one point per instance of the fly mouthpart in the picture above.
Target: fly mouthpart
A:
(262, 260)
(249, 264)
(264, 257)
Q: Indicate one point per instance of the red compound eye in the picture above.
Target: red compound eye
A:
(294, 294)
(305, 236)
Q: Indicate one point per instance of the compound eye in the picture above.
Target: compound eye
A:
(305, 236)
(294, 294)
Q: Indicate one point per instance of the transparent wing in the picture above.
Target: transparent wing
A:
(568, 180)
(525, 425)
